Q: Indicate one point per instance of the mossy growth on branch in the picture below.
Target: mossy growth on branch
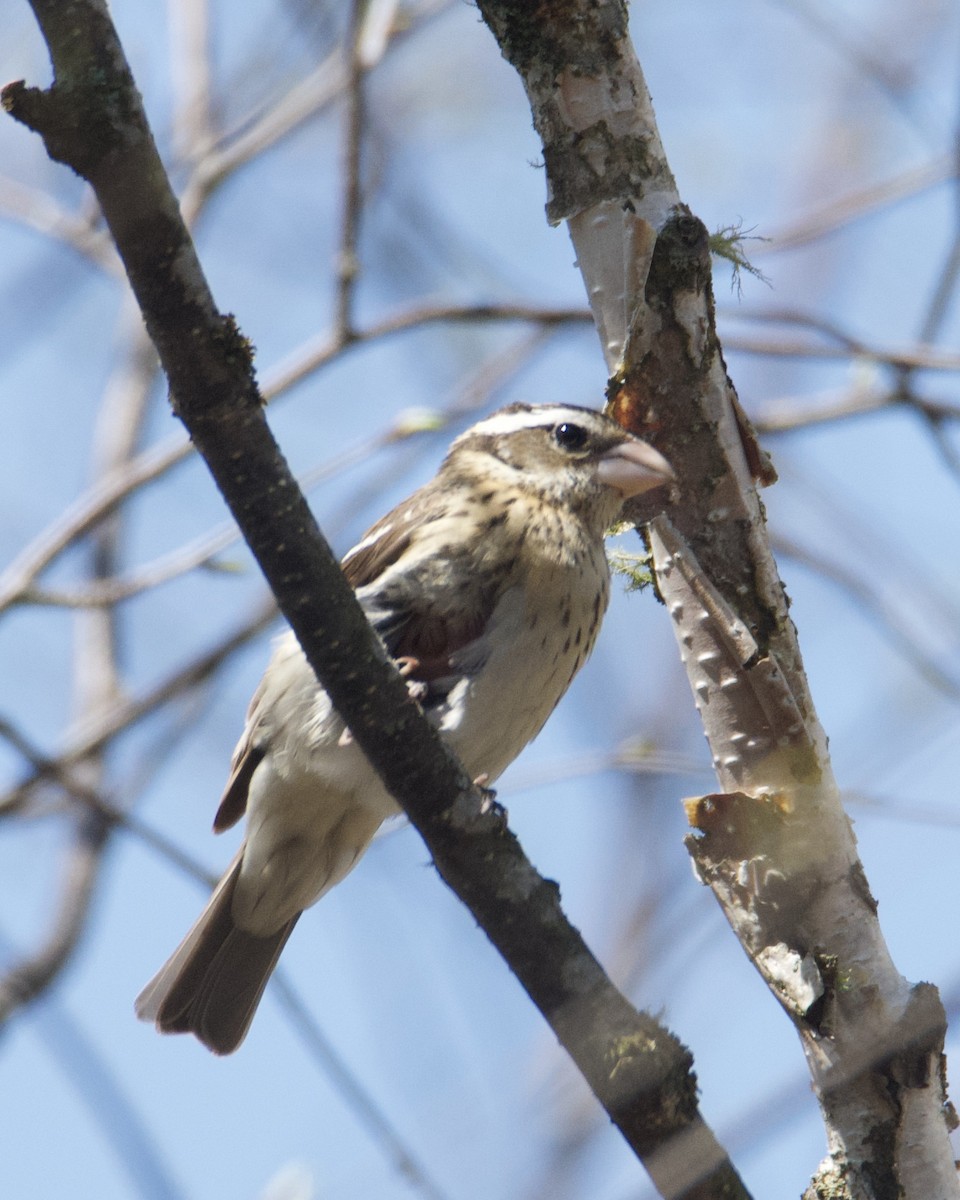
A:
(727, 243)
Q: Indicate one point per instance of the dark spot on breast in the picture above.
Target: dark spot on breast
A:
(493, 522)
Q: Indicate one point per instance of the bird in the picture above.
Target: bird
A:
(487, 586)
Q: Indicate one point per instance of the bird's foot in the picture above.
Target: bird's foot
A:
(416, 688)
(489, 805)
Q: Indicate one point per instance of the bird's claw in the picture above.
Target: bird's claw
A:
(416, 688)
(488, 800)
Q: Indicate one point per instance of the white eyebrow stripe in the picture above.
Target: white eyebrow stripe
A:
(535, 418)
(365, 543)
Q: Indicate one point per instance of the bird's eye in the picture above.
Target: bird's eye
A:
(569, 436)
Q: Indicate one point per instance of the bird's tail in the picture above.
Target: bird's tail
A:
(212, 983)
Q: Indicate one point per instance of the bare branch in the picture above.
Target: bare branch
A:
(918, 358)
(194, 126)
(92, 736)
(838, 214)
(96, 685)
(301, 103)
(775, 846)
(38, 211)
(870, 601)
(208, 365)
(108, 1105)
(862, 398)
(949, 277)
(17, 581)
(353, 1093)
(32, 974)
(799, 412)
(351, 203)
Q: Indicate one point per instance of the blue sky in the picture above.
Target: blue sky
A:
(769, 112)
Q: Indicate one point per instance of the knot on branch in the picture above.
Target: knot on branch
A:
(651, 1083)
(681, 259)
(762, 859)
(81, 126)
(741, 843)
(918, 1039)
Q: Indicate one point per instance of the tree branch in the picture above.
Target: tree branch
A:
(91, 118)
(775, 846)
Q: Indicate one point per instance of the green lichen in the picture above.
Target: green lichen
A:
(727, 243)
(636, 570)
(626, 1050)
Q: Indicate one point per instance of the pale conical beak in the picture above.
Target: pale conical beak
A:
(634, 467)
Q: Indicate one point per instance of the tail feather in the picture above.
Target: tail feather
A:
(212, 983)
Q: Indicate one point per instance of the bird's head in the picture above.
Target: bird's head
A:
(562, 455)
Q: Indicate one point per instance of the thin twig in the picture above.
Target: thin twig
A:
(316, 352)
(354, 1094)
(86, 511)
(869, 600)
(923, 358)
(302, 102)
(948, 452)
(799, 412)
(17, 580)
(40, 212)
(838, 214)
(347, 269)
(105, 1102)
(194, 128)
(94, 735)
(946, 284)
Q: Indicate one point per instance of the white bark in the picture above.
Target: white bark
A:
(774, 843)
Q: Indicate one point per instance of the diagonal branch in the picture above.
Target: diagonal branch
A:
(91, 118)
(775, 845)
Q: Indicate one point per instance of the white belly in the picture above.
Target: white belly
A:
(315, 802)
(536, 649)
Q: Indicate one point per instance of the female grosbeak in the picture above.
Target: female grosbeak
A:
(487, 586)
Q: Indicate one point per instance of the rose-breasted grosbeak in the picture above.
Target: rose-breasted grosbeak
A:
(487, 586)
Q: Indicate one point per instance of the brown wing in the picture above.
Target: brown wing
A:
(246, 758)
(233, 802)
(423, 626)
(378, 549)
(424, 638)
